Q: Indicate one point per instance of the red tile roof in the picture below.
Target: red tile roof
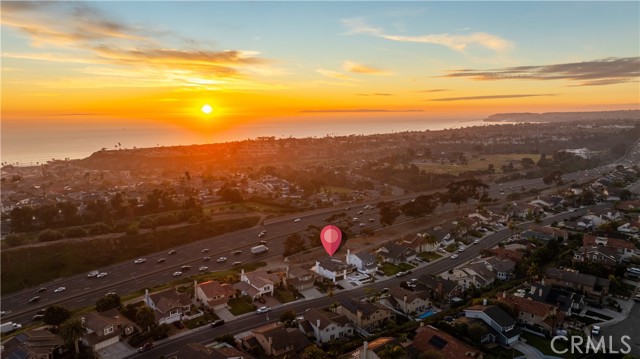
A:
(449, 346)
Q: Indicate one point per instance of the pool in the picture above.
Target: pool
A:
(426, 314)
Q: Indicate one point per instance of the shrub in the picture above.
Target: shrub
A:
(49, 235)
(15, 239)
(99, 228)
(132, 229)
(75, 232)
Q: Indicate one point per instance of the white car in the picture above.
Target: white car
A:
(362, 224)
(204, 250)
(371, 220)
(297, 220)
(221, 259)
(177, 274)
(92, 274)
(101, 274)
(203, 268)
(454, 256)
(461, 249)
(60, 289)
(139, 261)
(263, 310)
(476, 241)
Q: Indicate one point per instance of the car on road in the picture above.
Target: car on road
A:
(60, 289)
(454, 256)
(360, 212)
(362, 224)
(139, 261)
(173, 251)
(185, 267)
(400, 274)
(296, 220)
(476, 241)
(38, 317)
(146, 347)
(637, 298)
(262, 234)
(205, 250)
(92, 274)
(41, 311)
(263, 310)
(110, 293)
(221, 259)
(160, 260)
(371, 220)
(237, 263)
(41, 289)
(217, 323)
(34, 299)
(177, 274)
(203, 268)
(356, 219)
(263, 242)
(237, 252)
(461, 249)
(206, 259)
(101, 274)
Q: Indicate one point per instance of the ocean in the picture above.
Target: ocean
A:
(28, 144)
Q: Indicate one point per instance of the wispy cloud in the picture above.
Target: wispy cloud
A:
(358, 110)
(589, 73)
(375, 94)
(355, 67)
(76, 32)
(490, 97)
(433, 90)
(334, 74)
(456, 42)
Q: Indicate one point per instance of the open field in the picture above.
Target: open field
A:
(243, 207)
(482, 162)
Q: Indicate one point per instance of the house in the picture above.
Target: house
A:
(332, 268)
(396, 253)
(474, 275)
(364, 315)
(199, 351)
(623, 248)
(168, 305)
(441, 235)
(503, 268)
(523, 211)
(105, 328)
(552, 202)
(37, 344)
(499, 320)
(597, 254)
(301, 278)
(440, 288)
(567, 302)
(364, 262)
(280, 342)
(258, 283)
(373, 349)
(534, 314)
(592, 286)
(545, 233)
(327, 326)
(407, 301)
(213, 294)
(422, 242)
(506, 253)
(632, 227)
(430, 339)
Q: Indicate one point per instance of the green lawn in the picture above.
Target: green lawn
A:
(501, 352)
(429, 256)
(406, 266)
(480, 163)
(283, 295)
(544, 345)
(240, 306)
(390, 269)
(200, 321)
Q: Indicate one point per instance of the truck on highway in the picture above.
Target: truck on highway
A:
(259, 249)
(9, 327)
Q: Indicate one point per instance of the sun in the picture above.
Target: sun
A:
(206, 109)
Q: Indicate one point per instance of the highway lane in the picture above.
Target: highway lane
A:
(251, 320)
(127, 277)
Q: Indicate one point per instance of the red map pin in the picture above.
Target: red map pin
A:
(331, 236)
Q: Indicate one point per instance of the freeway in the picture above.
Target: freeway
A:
(252, 320)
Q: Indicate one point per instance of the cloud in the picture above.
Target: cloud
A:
(78, 33)
(334, 74)
(433, 90)
(362, 69)
(363, 110)
(490, 97)
(590, 73)
(456, 42)
(375, 94)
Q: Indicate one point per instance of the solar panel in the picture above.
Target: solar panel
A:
(437, 342)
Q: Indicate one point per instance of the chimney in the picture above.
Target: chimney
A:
(364, 350)
(347, 259)
(146, 297)
(318, 324)
(484, 301)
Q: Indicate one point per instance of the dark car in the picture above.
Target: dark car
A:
(145, 347)
(178, 324)
(184, 268)
(34, 299)
(217, 323)
(42, 289)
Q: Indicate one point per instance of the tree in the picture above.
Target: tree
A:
(392, 352)
(71, 331)
(476, 331)
(56, 315)
(527, 162)
(313, 352)
(288, 317)
(230, 194)
(21, 219)
(389, 211)
(293, 244)
(49, 235)
(108, 302)
(145, 317)
(46, 215)
(15, 239)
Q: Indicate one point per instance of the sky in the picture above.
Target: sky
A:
(277, 61)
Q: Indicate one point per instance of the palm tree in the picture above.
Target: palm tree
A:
(71, 331)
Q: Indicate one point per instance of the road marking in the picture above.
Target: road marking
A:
(78, 300)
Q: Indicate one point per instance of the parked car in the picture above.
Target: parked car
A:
(217, 323)
(145, 347)
(454, 256)
(178, 324)
(476, 241)
(263, 310)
